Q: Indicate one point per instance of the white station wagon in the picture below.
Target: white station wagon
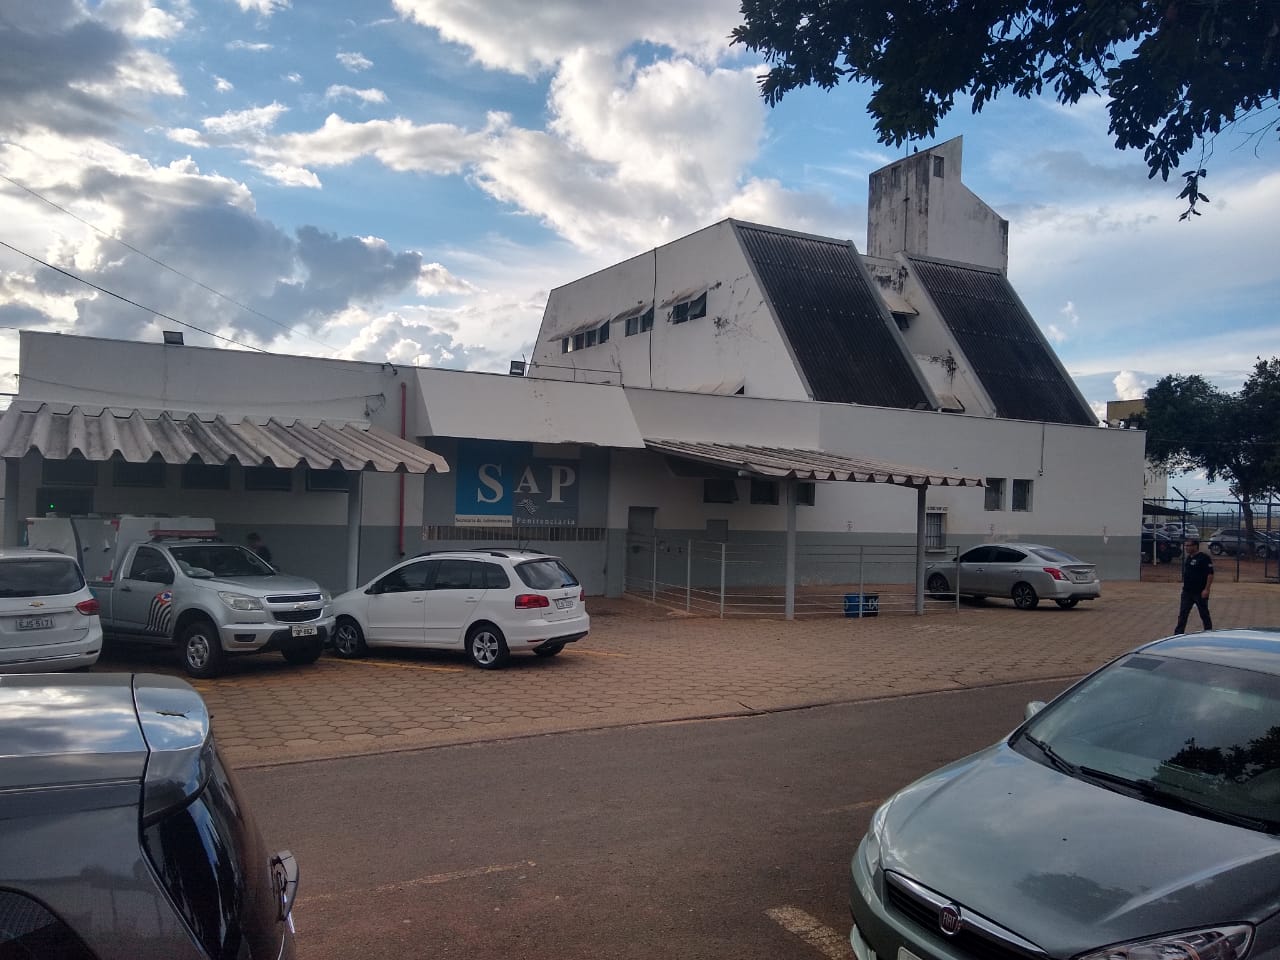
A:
(491, 603)
(48, 617)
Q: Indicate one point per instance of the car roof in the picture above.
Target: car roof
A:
(484, 553)
(60, 729)
(1255, 648)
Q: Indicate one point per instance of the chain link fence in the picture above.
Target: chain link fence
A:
(1220, 527)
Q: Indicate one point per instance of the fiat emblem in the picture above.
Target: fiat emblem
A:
(949, 920)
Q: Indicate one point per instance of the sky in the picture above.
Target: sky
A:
(406, 180)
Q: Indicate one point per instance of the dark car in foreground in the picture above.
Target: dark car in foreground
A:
(122, 833)
(1136, 816)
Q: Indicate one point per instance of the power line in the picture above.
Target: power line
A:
(161, 263)
(110, 293)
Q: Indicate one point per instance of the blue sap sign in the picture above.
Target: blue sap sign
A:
(504, 484)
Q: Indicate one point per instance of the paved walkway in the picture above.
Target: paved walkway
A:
(644, 664)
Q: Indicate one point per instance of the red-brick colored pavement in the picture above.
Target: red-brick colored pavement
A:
(642, 663)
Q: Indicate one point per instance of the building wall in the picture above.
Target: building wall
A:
(915, 206)
(737, 343)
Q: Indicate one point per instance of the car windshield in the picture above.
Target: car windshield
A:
(548, 574)
(38, 577)
(1054, 556)
(1200, 737)
(220, 560)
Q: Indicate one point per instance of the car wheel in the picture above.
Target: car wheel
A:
(938, 586)
(201, 649)
(487, 647)
(304, 654)
(1024, 596)
(549, 650)
(1215, 549)
(1066, 604)
(348, 639)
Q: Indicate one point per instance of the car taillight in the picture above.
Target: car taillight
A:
(531, 601)
(582, 596)
(88, 607)
(1055, 573)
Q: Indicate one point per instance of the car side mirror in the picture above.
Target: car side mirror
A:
(1034, 707)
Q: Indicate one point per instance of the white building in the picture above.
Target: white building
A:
(676, 396)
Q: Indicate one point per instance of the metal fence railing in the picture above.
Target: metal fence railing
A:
(716, 578)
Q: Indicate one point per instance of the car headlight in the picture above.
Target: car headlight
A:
(240, 601)
(1216, 943)
(325, 596)
(875, 835)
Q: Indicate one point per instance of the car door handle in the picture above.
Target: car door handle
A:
(419, 600)
(471, 600)
(126, 589)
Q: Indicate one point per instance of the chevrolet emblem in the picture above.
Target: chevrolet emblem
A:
(36, 603)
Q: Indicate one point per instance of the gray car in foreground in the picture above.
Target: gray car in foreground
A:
(1025, 573)
(122, 834)
(1136, 816)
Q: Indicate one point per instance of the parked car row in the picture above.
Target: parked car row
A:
(1164, 547)
(1235, 541)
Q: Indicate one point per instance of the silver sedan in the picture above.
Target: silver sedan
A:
(1024, 572)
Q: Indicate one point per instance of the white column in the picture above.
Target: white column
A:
(13, 518)
(921, 497)
(789, 490)
(354, 502)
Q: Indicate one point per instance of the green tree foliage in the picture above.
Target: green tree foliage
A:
(1176, 72)
(1192, 425)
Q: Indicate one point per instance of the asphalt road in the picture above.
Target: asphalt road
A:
(723, 839)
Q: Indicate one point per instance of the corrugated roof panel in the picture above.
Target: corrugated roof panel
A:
(101, 434)
(785, 462)
(1005, 348)
(840, 332)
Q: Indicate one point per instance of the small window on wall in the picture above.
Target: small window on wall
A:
(149, 474)
(76, 473)
(939, 164)
(328, 481)
(564, 345)
(935, 530)
(646, 320)
(579, 341)
(764, 491)
(720, 490)
(806, 494)
(995, 493)
(63, 501)
(604, 332)
(1021, 499)
(631, 327)
(268, 478)
(206, 476)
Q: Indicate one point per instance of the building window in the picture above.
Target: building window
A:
(591, 338)
(564, 345)
(1021, 495)
(646, 320)
(690, 309)
(938, 163)
(720, 491)
(604, 332)
(579, 341)
(149, 474)
(328, 481)
(764, 491)
(268, 478)
(206, 476)
(806, 494)
(935, 530)
(632, 326)
(995, 493)
(72, 473)
(63, 501)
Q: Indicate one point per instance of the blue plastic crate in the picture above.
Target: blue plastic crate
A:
(861, 604)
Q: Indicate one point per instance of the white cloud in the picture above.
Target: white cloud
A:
(255, 120)
(138, 18)
(436, 279)
(187, 137)
(264, 8)
(371, 95)
(287, 175)
(293, 77)
(222, 84)
(551, 31)
(1055, 334)
(250, 46)
(1130, 386)
(354, 61)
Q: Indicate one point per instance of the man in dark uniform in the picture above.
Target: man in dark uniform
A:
(1197, 578)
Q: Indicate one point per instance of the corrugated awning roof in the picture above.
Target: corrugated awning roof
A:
(137, 437)
(784, 462)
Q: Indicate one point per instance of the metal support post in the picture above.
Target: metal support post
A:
(354, 519)
(688, 575)
(921, 497)
(722, 546)
(789, 489)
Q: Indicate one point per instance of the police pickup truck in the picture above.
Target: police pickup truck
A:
(171, 581)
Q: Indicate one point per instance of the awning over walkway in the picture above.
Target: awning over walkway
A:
(138, 436)
(786, 462)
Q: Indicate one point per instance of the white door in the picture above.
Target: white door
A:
(397, 604)
(456, 591)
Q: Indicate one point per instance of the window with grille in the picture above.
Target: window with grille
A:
(1021, 495)
(995, 493)
(935, 530)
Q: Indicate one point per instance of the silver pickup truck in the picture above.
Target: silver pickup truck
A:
(213, 600)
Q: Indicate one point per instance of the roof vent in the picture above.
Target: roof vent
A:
(516, 369)
(173, 338)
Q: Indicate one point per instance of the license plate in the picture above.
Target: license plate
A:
(564, 603)
(304, 630)
(35, 623)
(905, 954)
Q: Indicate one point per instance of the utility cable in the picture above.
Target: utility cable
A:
(110, 293)
(161, 263)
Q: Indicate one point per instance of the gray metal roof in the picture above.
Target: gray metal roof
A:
(843, 339)
(137, 436)
(1015, 364)
(787, 462)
